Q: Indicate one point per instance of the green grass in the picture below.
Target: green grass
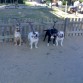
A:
(33, 13)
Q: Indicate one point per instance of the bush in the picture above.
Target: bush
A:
(81, 0)
(64, 2)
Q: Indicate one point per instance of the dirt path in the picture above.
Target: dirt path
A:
(62, 14)
(42, 65)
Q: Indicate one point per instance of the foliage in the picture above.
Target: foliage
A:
(81, 0)
(11, 1)
(64, 2)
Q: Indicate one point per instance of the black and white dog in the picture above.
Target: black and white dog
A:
(51, 34)
(33, 38)
(60, 38)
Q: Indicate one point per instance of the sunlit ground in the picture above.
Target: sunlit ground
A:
(57, 11)
(63, 14)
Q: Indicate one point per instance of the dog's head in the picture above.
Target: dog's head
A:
(17, 29)
(61, 34)
(35, 35)
(54, 33)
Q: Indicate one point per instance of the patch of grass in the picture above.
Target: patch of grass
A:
(28, 13)
(35, 14)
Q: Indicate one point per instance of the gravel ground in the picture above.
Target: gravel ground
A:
(19, 64)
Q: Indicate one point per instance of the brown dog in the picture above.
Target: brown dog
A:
(17, 36)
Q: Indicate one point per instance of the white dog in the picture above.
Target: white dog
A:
(17, 36)
(33, 38)
(60, 38)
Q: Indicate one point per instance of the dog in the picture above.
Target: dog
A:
(33, 38)
(17, 36)
(52, 34)
(60, 38)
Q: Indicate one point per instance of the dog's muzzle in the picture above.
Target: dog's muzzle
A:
(61, 36)
(52, 37)
(34, 37)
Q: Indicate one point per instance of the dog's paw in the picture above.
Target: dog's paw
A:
(62, 45)
(48, 44)
(43, 39)
(19, 44)
(36, 47)
(31, 48)
(53, 44)
(56, 44)
(15, 44)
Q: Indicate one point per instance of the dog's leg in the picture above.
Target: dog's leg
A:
(48, 40)
(54, 41)
(20, 41)
(45, 36)
(62, 42)
(57, 42)
(15, 40)
(36, 44)
(31, 44)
